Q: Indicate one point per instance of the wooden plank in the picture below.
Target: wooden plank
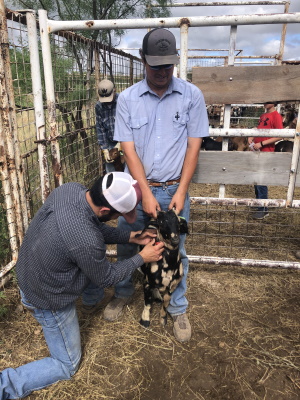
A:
(244, 168)
(248, 85)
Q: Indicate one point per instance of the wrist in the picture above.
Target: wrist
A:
(261, 144)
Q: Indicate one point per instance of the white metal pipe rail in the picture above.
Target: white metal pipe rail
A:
(203, 21)
(226, 3)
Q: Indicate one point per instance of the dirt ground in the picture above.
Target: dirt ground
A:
(245, 342)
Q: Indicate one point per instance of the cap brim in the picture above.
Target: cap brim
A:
(130, 217)
(161, 60)
(108, 99)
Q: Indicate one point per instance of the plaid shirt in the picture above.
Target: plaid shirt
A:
(64, 250)
(105, 123)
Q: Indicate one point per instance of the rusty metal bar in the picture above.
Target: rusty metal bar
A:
(283, 36)
(9, 121)
(50, 94)
(243, 202)
(37, 90)
(242, 262)
(52, 26)
(243, 57)
(282, 133)
(7, 268)
(225, 3)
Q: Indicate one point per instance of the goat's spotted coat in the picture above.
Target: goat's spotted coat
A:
(163, 276)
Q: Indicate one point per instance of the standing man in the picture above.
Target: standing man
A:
(63, 252)
(105, 110)
(271, 119)
(160, 123)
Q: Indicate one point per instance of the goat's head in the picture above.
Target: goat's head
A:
(170, 226)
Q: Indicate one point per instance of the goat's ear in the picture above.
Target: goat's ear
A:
(183, 225)
(152, 224)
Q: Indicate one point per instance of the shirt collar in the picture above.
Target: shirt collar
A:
(175, 86)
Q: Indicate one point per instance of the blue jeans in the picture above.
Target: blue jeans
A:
(261, 192)
(163, 195)
(61, 331)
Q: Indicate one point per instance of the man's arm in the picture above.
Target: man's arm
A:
(150, 204)
(188, 169)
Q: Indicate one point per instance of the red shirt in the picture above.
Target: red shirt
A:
(271, 120)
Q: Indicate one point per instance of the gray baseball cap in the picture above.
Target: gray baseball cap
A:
(106, 91)
(159, 47)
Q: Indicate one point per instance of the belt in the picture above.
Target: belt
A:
(167, 183)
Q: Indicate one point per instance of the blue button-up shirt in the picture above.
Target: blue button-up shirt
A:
(160, 126)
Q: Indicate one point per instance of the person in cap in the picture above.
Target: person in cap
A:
(61, 258)
(271, 119)
(105, 111)
(160, 123)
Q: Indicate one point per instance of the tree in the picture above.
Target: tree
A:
(98, 10)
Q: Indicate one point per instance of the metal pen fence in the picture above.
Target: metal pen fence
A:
(51, 139)
(72, 154)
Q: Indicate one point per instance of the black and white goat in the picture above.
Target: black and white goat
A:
(162, 277)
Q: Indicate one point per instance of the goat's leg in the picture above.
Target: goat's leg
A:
(163, 310)
(145, 319)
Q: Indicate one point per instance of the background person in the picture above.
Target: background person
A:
(160, 123)
(105, 111)
(62, 253)
(271, 119)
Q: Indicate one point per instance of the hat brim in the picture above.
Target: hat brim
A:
(108, 99)
(161, 60)
(130, 217)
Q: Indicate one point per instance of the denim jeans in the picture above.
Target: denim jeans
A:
(61, 331)
(261, 192)
(163, 195)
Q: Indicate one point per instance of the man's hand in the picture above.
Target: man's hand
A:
(177, 202)
(150, 205)
(107, 156)
(142, 238)
(152, 252)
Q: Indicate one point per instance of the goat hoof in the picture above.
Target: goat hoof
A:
(163, 321)
(144, 323)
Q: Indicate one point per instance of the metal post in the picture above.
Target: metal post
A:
(37, 90)
(184, 28)
(283, 35)
(50, 94)
(227, 107)
(9, 131)
(294, 163)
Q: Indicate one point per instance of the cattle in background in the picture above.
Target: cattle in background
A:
(162, 277)
(284, 146)
(237, 143)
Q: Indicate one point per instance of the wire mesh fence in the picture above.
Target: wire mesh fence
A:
(78, 64)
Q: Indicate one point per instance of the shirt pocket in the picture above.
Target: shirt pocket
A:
(180, 126)
(139, 128)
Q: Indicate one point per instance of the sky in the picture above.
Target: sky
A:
(254, 40)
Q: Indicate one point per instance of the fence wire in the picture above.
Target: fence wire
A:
(216, 230)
